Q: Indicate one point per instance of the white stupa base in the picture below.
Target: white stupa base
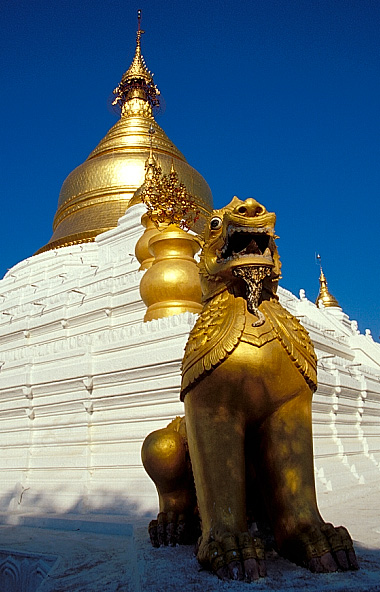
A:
(83, 380)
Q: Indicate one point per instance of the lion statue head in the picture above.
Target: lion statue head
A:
(239, 251)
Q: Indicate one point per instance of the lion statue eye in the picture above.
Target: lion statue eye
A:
(215, 223)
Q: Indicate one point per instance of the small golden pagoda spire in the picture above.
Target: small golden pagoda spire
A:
(138, 68)
(137, 81)
(171, 283)
(324, 296)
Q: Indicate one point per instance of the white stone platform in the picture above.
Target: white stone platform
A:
(105, 554)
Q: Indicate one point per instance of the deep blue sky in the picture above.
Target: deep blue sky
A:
(276, 99)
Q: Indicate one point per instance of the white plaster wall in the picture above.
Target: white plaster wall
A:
(83, 380)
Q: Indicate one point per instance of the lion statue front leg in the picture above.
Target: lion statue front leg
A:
(217, 442)
(285, 444)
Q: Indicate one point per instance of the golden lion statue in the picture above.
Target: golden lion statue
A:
(242, 458)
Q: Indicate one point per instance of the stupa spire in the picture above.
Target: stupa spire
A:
(97, 193)
(136, 90)
(324, 296)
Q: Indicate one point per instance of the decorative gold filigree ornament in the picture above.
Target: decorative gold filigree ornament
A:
(166, 199)
(171, 283)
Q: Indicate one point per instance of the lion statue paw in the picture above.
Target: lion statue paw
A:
(322, 549)
(233, 557)
(172, 529)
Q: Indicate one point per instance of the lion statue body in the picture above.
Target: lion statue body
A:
(242, 458)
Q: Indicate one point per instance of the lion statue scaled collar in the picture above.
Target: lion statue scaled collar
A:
(239, 271)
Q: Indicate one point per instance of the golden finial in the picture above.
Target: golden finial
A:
(171, 284)
(137, 81)
(139, 31)
(167, 200)
(324, 296)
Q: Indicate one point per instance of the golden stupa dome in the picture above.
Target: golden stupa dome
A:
(97, 193)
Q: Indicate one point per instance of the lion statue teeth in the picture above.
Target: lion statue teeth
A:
(240, 464)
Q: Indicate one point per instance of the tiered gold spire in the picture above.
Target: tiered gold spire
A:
(97, 193)
(324, 296)
(137, 82)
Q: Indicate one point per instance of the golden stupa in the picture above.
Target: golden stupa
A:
(97, 193)
(325, 298)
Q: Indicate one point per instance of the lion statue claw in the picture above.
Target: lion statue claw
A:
(242, 459)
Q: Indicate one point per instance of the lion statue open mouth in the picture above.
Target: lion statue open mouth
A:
(239, 466)
(236, 246)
